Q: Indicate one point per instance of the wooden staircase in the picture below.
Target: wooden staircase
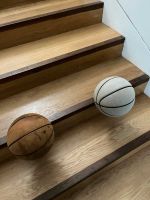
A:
(127, 180)
(53, 54)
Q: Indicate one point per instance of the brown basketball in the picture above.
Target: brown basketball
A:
(30, 136)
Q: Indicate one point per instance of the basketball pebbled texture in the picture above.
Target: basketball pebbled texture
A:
(114, 96)
(30, 136)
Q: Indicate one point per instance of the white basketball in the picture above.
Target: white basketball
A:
(114, 96)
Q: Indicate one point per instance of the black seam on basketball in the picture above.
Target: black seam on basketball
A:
(27, 134)
(106, 113)
(114, 92)
(41, 147)
(19, 118)
(23, 117)
(117, 106)
(103, 85)
(103, 110)
(99, 106)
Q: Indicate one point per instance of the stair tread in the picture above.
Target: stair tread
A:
(32, 55)
(80, 141)
(128, 180)
(41, 9)
(61, 94)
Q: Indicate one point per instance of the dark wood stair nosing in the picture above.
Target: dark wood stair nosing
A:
(94, 168)
(61, 59)
(56, 118)
(52, 15)
(90, 102)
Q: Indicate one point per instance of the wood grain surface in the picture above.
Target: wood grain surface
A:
(40, 9)
(59, 95)
(86, 137)
(128, 180)
(56, 21)
(80, 141)
(13, 3)
(41, 52)
(83, 105)
(25, 81)
(30, 31)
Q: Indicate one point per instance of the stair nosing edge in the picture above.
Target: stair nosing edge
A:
(61, 59)
(60, 13)
(94, 168)
(80, 107)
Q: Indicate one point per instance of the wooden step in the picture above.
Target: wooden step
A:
(30, 79)
(81, 140)
(31, 56)
(61, 94)
(12, 3)
(45, 8)
(81, 106)
(35, 21)
(128, 180)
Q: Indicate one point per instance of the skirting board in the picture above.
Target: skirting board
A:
(147, 89)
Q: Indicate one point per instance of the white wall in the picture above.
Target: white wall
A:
(139, 13)
(130, 18)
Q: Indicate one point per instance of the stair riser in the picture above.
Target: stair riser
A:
(66, 123)
(89, 134)
(53, 71)
(85, 114)
(11, 3)
(47, 26)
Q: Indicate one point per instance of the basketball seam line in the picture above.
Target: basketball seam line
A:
(103, 85)
(28, 154)
(106, 113)
(28, 134)
(117, 106)
(103, 110)
(99, 107)
(113, 93)
(23, 117)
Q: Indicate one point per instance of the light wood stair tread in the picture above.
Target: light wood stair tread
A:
(43, 8)
(31, 55)
(58, 95)
(128, 180)
(80, 141)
